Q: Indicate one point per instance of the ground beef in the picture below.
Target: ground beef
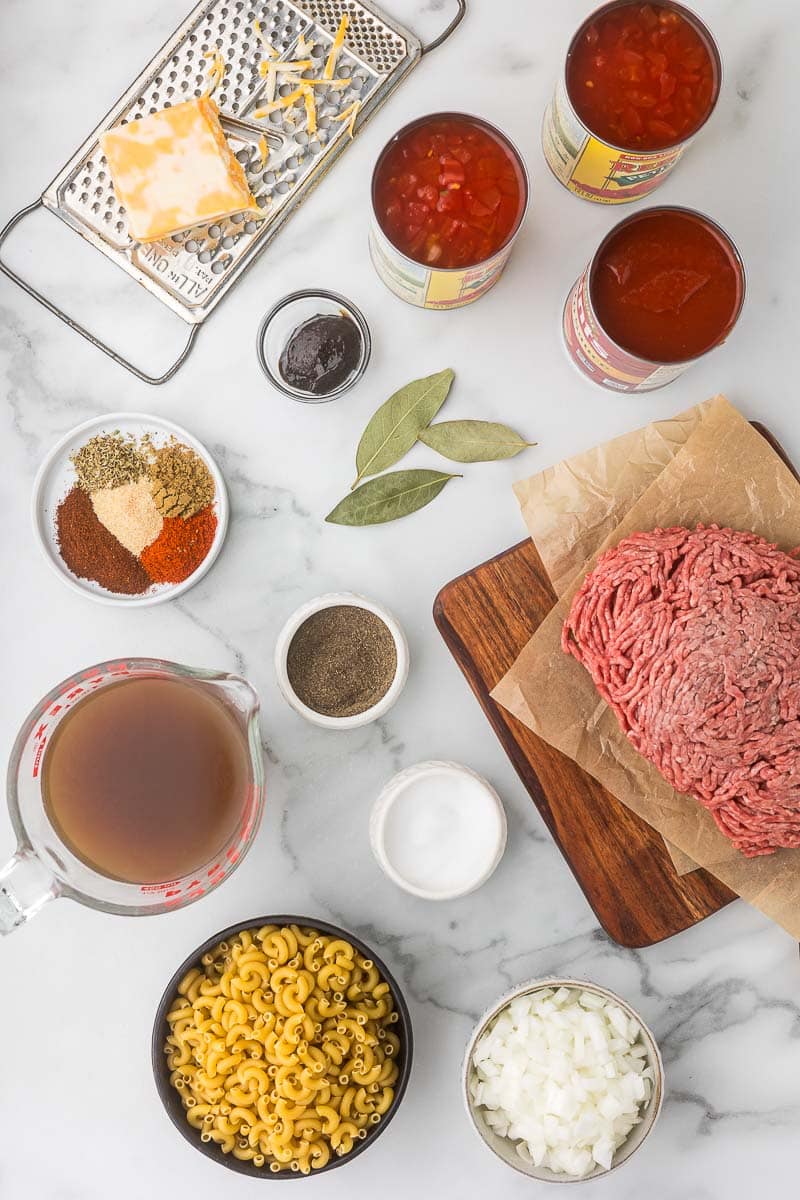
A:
(693, 638)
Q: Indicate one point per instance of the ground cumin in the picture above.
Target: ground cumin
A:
(181, 482)
(91, 552)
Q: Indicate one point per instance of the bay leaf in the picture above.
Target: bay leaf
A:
(389, 497)
(394, 428)
(473, 441)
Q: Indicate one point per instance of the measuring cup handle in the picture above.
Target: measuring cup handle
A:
(52, 307)
(25, 886)
(456, 21)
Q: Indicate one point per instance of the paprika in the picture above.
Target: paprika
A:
(181, 546)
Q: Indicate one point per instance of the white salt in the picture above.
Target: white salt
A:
(443, 831)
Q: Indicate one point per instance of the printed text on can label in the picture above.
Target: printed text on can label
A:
(592, 169)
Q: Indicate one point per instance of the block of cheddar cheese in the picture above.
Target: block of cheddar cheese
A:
(174, 169)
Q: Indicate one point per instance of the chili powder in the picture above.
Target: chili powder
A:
(180, 548)
(91, 552)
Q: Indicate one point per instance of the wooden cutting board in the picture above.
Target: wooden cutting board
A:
(486, 617)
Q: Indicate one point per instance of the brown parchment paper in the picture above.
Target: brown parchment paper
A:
(572, 507)
(725, 473)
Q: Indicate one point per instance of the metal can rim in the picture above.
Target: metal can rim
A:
(707, 36)
(503, 138)
(637, 216)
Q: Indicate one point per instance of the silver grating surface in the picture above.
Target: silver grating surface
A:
(192, 271)
(369, 37)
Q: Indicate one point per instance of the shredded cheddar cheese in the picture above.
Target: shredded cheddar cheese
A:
(311, 110)
(336, 85)
(303, 64)
(288, 69)
(265, 42)
(350, 115)
(338, 42)
(263, 149)
(283, 102)
(278, 73)
(272, 83)
(216, 72)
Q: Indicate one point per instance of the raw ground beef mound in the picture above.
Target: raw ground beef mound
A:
(693, 638)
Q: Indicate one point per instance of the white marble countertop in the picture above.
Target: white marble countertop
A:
(78, 1111)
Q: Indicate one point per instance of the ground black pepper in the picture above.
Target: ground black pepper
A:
(342, 661)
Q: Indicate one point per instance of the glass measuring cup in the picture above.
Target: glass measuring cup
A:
(44, 868)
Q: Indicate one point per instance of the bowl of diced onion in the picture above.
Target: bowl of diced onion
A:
(562, 1080)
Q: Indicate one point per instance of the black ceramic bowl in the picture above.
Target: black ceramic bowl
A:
(172, 1101)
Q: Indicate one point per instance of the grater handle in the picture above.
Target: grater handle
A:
(456, 21)
(73, 324)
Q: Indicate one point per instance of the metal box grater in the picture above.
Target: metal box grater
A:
(191, 272)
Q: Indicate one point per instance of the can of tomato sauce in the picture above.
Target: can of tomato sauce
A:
(664, 288)
(640, 81)
(449, 195)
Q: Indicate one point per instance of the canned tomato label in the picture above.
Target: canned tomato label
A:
(664, 287)
(591, 168)
(449, 195)
(602, 360)
(639, 82)
(428, 288)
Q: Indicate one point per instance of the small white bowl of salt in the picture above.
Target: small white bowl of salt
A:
(438, 830)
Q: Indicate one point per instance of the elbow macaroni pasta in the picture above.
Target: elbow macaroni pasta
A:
(281, 1047)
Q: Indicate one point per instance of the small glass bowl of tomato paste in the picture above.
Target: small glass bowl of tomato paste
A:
(664, 287)
(640, 81)
(449, 195)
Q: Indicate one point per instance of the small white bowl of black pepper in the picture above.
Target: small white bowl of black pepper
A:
(341, 661)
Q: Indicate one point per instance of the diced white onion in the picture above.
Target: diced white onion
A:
(564, 1074)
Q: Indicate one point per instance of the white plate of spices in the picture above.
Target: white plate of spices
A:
(130, 509)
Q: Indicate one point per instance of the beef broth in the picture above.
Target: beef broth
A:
(146, 779)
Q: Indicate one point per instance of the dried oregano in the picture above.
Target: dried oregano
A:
(108, 460)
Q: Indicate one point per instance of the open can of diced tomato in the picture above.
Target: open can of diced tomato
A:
(449, 195)
(664, 287)
(640, 80)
